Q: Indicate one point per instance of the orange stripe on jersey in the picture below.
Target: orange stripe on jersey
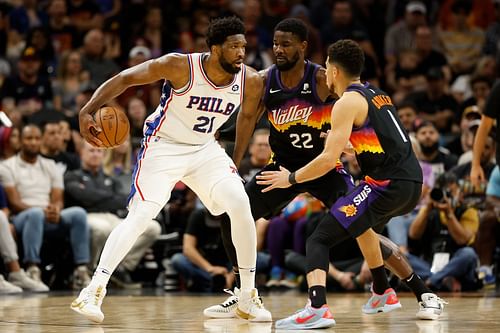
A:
(366, 140)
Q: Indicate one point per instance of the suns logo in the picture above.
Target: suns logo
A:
(349, 210)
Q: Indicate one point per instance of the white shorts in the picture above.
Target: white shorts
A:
(161, 164)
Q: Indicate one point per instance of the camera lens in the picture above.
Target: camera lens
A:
(437, 194)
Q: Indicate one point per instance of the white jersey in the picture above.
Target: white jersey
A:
(192, 114)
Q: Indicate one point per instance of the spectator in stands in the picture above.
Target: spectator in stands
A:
(118, 164)
(30, 91)
(35, 191)
(18, 279)
(62, 32)
(152, 32)
(428, 138)
(203, 263)
(149, 94)
(461, 87)
(342, 24)
(462, 43)
(84, 15)
(99, 68)
(259, 154)
(441, 236)
(100, 195)
(491, 45)
(71, 80)
(480, 86)
(407, 113)
(461, 146)
(401, 35)
(27, 16)
(53, 148)
(136, 112)
(39, 39)
(476, 195)
(434, 103)
(9, 142)
(428, 56)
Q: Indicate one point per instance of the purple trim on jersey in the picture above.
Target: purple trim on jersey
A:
(152, 126)
(358, 88)
(349, 208)
(299, 85)
(314, 84)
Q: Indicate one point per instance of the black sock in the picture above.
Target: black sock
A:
(317, 295)
(380, 283)
(415, 283)
(237, 280)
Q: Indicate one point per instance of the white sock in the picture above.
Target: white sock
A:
(122, 238)
(247, 278)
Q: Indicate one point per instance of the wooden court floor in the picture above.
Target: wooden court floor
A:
(183, 313)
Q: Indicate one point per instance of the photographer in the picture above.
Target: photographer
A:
(441, 236)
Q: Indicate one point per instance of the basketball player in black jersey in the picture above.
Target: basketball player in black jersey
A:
(365, 116)
(298, 104)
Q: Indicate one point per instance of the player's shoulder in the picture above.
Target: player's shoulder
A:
(175, 59)
(351, 100)
(253, 78)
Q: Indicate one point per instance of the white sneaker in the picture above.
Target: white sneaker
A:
(22, 280)
(226, 309)
(34, 273)
(431, 307)
(250, 307)
(7, 287)
(88, 303)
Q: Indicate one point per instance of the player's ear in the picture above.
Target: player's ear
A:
(216, 49)
(304, 46)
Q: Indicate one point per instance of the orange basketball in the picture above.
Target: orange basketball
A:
(114, 124)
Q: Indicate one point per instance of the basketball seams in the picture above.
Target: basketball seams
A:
(102, 127)
(116, 126)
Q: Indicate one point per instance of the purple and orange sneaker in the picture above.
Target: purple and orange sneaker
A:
(307, 318)
(386, 302)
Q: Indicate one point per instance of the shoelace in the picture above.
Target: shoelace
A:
(229, 301)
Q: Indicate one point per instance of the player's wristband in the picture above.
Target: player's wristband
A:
(291, 178)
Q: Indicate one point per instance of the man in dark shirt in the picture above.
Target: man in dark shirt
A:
(434, 104)
(105, 203)
(30, 91)
(260, 154)
(52, 147)
(203, 263)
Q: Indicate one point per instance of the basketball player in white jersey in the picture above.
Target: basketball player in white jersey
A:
(200, 92)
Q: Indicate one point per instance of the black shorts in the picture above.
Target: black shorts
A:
(327, 189)
(373, 203)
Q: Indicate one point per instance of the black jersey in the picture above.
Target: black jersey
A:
(297, 117)
(382, 146)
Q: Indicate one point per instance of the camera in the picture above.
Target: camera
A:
(439, 195)
(441, 190)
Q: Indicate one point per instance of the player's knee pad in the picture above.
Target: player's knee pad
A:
(141, 213)
(231, 195)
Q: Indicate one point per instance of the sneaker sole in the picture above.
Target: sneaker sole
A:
(246, 316)
(385, 308)
(427, 316)
(93, 317)
(210, 314)
(323, 323)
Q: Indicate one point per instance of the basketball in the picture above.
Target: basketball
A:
(296, 209)
(114, 124)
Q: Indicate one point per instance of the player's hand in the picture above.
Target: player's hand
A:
(217, 270)
(275, 179)
(345, 279)
(476, 176)
(89, 129)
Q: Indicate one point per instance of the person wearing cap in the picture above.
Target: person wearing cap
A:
(148, 94)
(30, 91)
(462, 144)
(401, 35)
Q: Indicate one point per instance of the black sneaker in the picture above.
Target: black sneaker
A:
(121, 278)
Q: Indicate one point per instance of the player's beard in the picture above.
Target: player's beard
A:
(227, 66)
(289, 63)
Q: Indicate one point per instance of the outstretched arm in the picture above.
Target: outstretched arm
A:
(343, 114)
(166, 67)
(251, 111)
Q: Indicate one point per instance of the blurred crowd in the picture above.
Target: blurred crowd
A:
(61, 197)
